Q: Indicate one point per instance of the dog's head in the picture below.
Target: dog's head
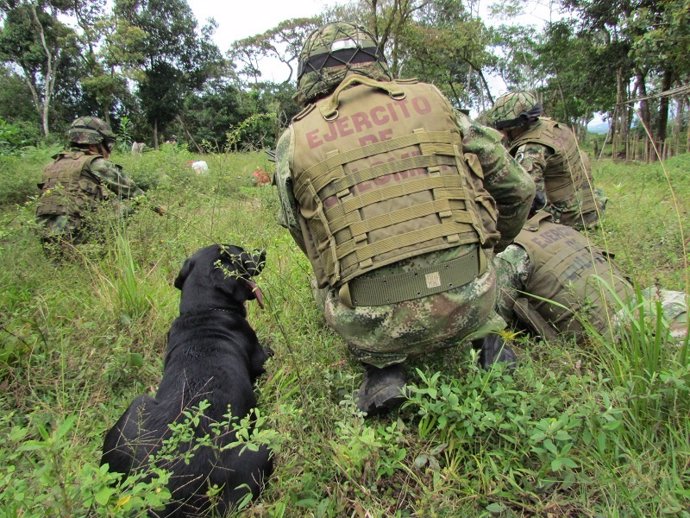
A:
(219, 277)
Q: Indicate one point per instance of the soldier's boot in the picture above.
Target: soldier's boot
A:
(382, 389)
(493, 349)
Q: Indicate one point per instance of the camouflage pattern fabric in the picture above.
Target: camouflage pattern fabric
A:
(384, 335)
(112, 177)
(532, 157)
(90, 130)
(68, 227)
(513, 271)
(503, 177)
(333, 51)
(60, 227)
(674, 310)
(513, 109)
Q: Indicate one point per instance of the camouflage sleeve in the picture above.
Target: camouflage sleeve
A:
(506, 181)
(112, 177)
(512, 272)
(289, 212)
(532, 157)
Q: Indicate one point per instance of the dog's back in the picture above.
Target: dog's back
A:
(212, 359)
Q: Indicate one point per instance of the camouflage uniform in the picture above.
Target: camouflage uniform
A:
(383, 335)
(534, 158)
(548, 151)
(514, 276)
(78, 181)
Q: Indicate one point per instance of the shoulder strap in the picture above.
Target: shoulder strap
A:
(329, 111)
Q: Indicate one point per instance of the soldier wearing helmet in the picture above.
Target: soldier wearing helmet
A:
(398, 201)
(549, 152)
(79, 179)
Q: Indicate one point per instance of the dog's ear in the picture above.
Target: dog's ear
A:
(184, 272)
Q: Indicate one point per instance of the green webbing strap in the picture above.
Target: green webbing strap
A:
(439, 148)
(358, 226)
(560, 185)
(329, 110)
(334, 182)
(556, 262)
(531, 318)
(533, 223)
(352, 253)
(357, 153)
(378, 290)
(401, 189)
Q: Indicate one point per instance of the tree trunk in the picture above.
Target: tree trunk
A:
(666, 82)
(621, 112)
(645, 116)
(49, 75)
(155, 134)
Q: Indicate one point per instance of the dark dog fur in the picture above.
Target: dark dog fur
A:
(212, 354)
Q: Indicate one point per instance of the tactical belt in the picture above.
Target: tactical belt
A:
(382, 289)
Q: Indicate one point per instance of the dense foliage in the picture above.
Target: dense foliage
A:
(151, 62)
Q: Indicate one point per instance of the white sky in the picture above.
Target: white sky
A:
(239, 20)
(257, 16)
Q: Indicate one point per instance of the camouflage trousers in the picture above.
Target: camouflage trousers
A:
(58, 227)
(674, 310)
(389, 334)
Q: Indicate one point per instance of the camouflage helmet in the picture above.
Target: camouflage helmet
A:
(332, 51)
(90, 130)
(513, 110)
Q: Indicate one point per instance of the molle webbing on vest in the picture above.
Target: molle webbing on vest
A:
(66, 190)
(377, 290)
(333, 183)
(449, 201)
(567, 270)
(439, 143)
(565, 171)
(380, 177)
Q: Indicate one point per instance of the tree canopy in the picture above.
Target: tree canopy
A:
(151, 61)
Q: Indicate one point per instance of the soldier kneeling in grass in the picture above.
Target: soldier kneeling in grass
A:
(79, 181)
(554, 282)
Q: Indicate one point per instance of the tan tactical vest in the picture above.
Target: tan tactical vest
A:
(68, 187)
(567, 170)
(380, 176)
(572, 276)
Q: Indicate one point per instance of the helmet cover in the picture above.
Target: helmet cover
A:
(90, 130)
(332, 51)
(513, 110)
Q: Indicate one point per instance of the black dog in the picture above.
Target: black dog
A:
(212, 354)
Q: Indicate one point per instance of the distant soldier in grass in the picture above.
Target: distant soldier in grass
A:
(78, 181)
(398, 202)
(554, 282)
(549, 152)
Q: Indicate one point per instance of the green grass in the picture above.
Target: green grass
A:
(595, 430)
